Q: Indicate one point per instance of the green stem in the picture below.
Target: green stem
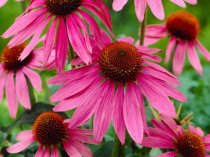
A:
(118, 149)
(143, 28)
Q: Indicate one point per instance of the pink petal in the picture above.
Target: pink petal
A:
(39, 152)
(11, 95)
(117, 5)
(155, 132)
(83, 26)
(20, 146)
(49, 41)
(203, 50)
(72, 88)
(25, 135)
(22, 90)
(34, 41)
(179, 58)
(132, 115)
(168, 89)
(155, 142)
(24, 21)
(81, 138)
(193, 58)
(126, 39)
(77, 40)
(94, 28)
(71, 150)
(100, 9)
(156, 7)
(206, 139)
(170, 49)
(34, 78)
(118, 120)
(83, 149)
(25, 34)
(159, 72)
(140, 8)
(191, 1)
(180, 3)
(87, 107)
(156, 97)
(61, 46)
(2, 2)
(165, 128)
(54, 152)
(103, 113)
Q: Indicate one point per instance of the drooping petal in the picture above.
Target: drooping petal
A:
(24, 21)
(54, 152)
(83, 149)
(34, 78)
(24, 135)
(35, 40)
(156, 7)
(103, 113)
(180, 3)
(71, 150)
(132, 115)
(118, 120)
(156, 97)
(20, 146)
(156, 142)
(203, 50)
(11, 95)
(117, 5)
(22, 90)
(49, 41)
(77, 41)
(170, 48)
(193, 58)
(3, 2)
(61, 47)
(39, 152)
(179, 58)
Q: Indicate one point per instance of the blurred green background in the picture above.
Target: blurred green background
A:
(196, 88)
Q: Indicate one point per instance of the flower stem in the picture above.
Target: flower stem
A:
(143, 28)
(118, 149)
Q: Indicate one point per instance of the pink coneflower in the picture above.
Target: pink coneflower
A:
(182, 142)
(183, 29)
(15, 73)
(3, 2)
(112, 89)
(156, 6)
(67, 23)
(50, 132)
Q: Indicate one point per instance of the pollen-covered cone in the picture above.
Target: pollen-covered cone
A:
(113, 86)
(183, 29)
(15, 76)
(156, 6)
(68, 24)
(51, 133)
(166, 134)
